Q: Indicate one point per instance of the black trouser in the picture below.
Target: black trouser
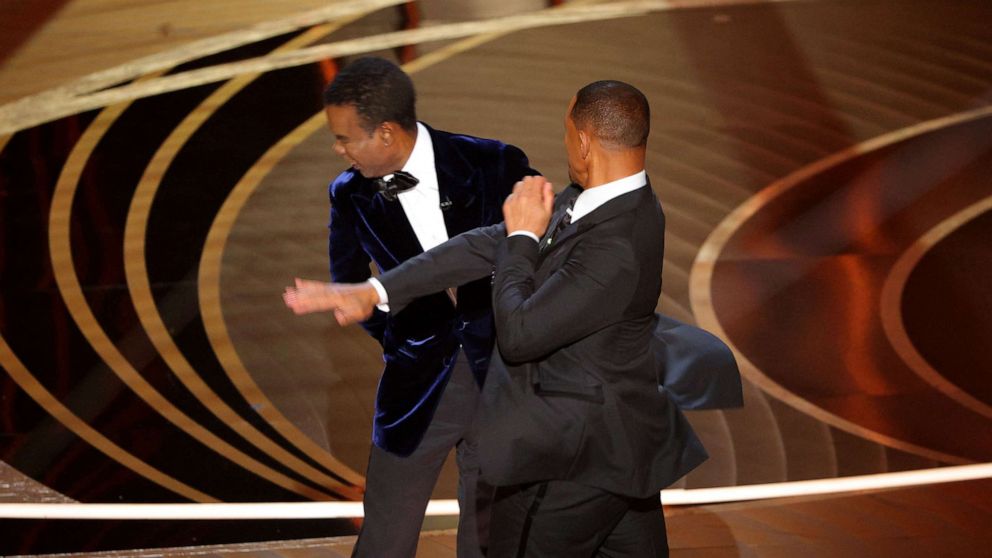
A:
(398, 488)
(558, 519)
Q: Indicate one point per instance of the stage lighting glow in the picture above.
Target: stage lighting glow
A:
(326, 510)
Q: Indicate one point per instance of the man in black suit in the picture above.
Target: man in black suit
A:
(573, 429)
(410, 188)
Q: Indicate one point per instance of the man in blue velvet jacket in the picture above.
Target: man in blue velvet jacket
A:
(410, 188)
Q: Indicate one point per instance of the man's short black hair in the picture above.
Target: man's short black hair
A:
(378, 89)
(615, 112)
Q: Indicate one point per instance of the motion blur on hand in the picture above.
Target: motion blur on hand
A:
(351, 303)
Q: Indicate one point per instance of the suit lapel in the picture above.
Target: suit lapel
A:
(563, 201)
(459, 187)
(387, 222)
(617, 206)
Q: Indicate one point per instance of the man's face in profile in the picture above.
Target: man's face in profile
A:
(366, 152)
(576, 164)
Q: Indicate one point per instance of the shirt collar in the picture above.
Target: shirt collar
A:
(590, 200)
(420, 163)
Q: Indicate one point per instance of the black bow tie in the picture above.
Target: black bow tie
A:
(400, 182)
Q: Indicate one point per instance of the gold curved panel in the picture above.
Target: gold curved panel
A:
(57, 103)
(60, 248)
(210, 308)
(700, 285)
(89, 92)
(891, 307)
(140, 289)
(44, 398)
(22, 376)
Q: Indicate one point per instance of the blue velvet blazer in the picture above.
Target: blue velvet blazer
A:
(420, 343)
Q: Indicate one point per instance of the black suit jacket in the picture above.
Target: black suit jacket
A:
(572, 392)
(696, 369)
(419, 344)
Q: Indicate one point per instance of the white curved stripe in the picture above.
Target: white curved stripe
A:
(840, 485)
(134, 69)
(54, 104)
(891, 307)
(701, 276)
(341, 10)
(328, 510)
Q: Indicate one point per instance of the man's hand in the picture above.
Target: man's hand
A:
(529, 207)
(351, 303)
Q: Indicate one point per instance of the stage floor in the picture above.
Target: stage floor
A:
(824, 170)
(946, 520)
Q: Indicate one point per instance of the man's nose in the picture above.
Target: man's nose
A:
(339, 149)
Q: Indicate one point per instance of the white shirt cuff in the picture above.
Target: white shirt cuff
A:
(525, 233)
(381, 291)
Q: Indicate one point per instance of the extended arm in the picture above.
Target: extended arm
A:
(466, 257)
(472, 254)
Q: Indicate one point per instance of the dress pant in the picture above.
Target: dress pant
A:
(559, 519)
(398, 488)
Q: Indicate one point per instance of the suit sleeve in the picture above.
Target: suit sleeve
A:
(464, 258)
(349, 262)
(590, 291)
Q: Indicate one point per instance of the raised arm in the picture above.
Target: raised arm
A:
(589, 292)
(464, 258)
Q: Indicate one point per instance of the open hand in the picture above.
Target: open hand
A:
(350, 303)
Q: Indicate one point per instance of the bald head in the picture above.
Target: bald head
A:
(616, 113)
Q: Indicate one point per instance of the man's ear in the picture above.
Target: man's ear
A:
(385, 131)
(585, 143)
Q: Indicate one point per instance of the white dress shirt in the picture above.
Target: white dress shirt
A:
(422, 203)
(590, 200)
